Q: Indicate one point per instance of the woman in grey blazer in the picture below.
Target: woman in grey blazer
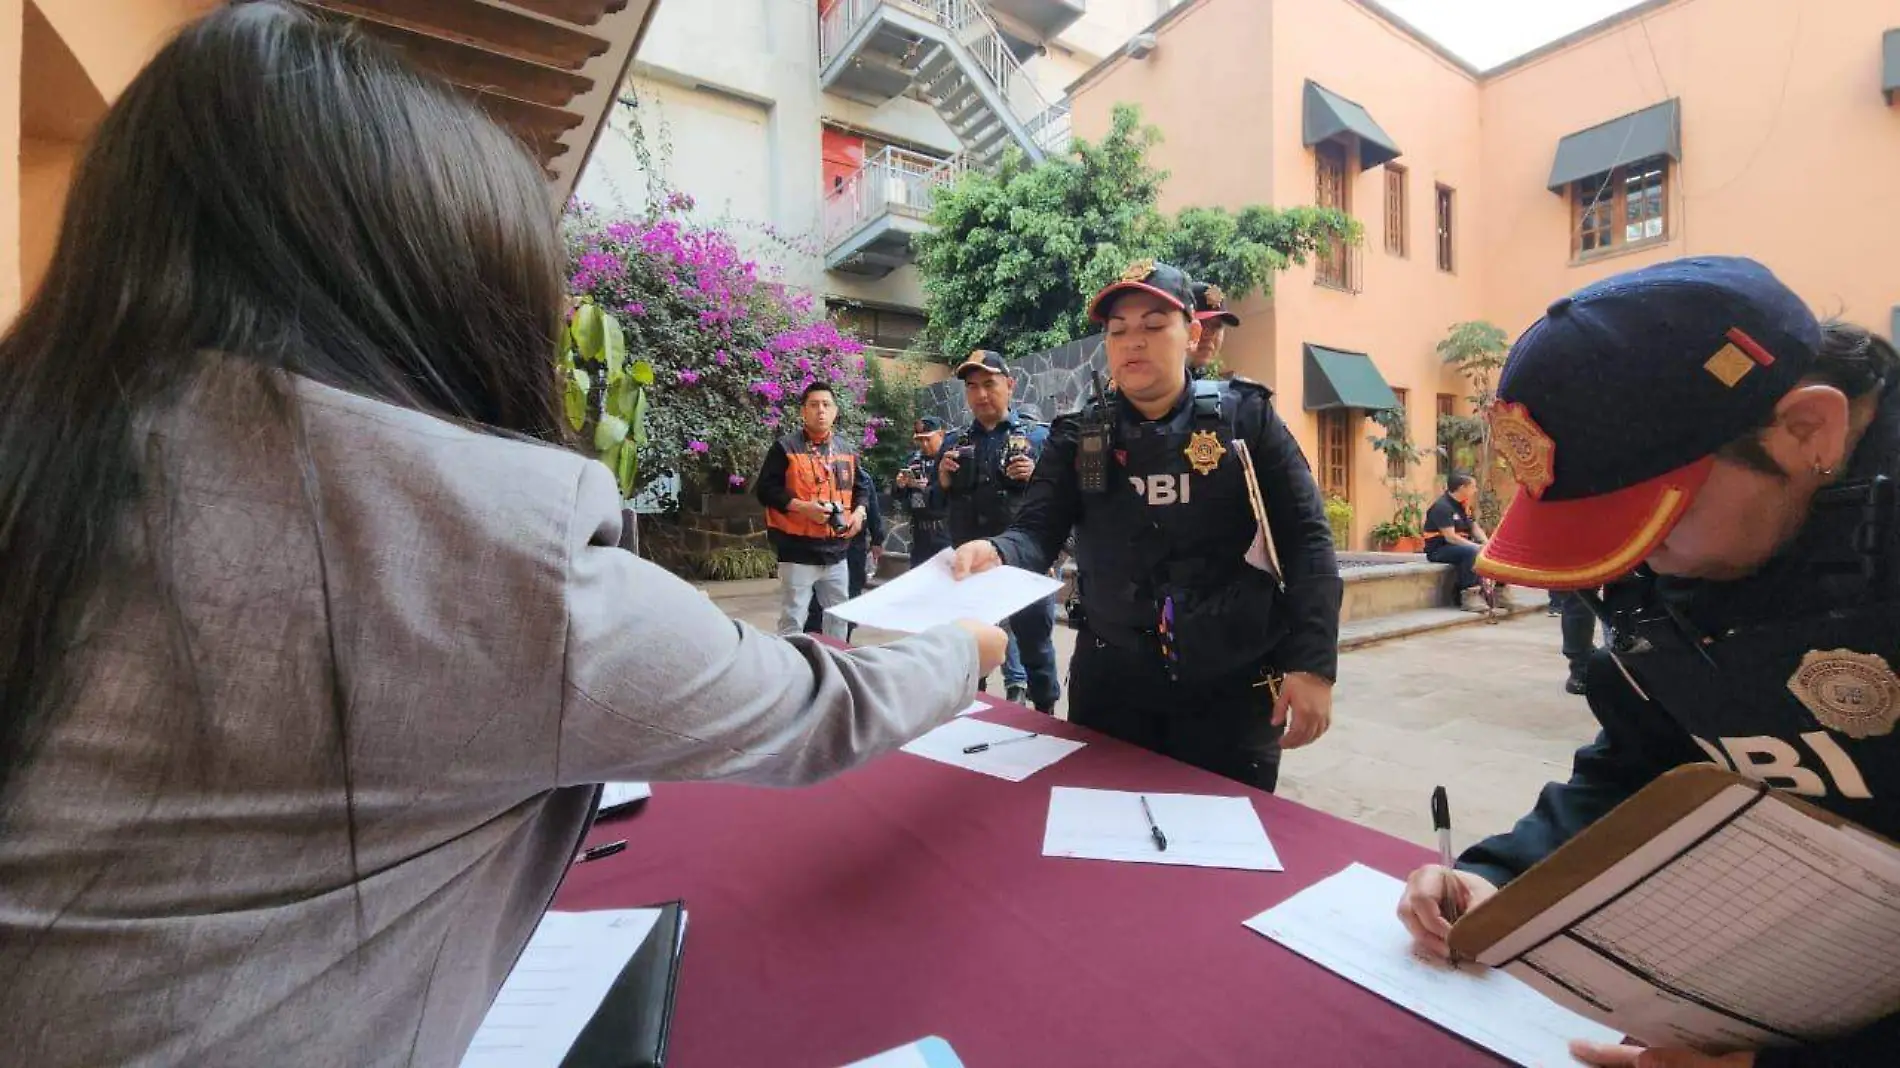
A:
(312, 642)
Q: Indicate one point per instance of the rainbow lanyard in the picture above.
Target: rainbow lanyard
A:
(1170, 653)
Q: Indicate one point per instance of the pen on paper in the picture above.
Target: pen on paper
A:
(600, 851)
(1154, 829)
(984, 746)
(1452, 904)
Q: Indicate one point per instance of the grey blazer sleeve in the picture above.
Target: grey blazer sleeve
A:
(662, 686)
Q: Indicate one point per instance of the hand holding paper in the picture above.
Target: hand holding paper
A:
(929, 595)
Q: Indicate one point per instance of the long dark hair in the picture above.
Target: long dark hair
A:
(275, 188)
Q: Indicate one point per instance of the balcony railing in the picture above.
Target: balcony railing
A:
(1047, 123)
(893, 182)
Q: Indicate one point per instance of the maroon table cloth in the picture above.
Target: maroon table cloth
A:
(910, 898)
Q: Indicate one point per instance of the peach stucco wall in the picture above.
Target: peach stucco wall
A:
(1429, 108)
(61, 63)
(1805, 179)
(1801, 177)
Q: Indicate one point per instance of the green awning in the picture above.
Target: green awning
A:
(1336, 379)
(1653, 131)
(1890, 65)
(1329, 116)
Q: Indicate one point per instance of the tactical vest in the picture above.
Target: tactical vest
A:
(1789, 676)
(824, 473)
(1164, 535)
(983, 509)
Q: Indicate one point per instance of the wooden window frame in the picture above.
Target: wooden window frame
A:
(1396, 468)
(1613, 226)
(1398, 211)
(1335, 456)
(1447, 404)
(1332, 266)
(1444, 225)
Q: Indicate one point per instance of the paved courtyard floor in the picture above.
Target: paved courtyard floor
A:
(1479, 709)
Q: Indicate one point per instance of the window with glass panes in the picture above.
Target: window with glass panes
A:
(1335, 452)
(1446, 406)
(1394, 463)
(1331, 191)
(1395, 210)
(1625, 206)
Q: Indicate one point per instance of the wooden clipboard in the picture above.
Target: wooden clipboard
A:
(1652, 811)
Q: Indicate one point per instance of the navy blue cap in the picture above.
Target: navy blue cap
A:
(1210, 302)
(1612, 406)
(928, 424)
(983, 360)
(1163, 280)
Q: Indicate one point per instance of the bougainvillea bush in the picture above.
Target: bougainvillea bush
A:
(731, 348)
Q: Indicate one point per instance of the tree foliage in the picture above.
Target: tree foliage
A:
(1012, 257)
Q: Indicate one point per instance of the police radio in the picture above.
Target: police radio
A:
(1094, 442)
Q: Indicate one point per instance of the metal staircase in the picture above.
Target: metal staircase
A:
(952, 55)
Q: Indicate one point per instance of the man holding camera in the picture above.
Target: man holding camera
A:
(919, 493)
(985, 471)
(815, 495)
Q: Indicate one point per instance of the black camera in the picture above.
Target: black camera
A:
(834, 516)
(964, 477)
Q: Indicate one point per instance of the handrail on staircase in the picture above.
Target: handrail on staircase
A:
(1047, 123)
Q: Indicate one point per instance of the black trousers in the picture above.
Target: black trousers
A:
(927, 539)
(1580, 631)
(1223, 726)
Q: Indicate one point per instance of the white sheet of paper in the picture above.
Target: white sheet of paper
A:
(928, 595)
(570, 962)
(932, 1052)
(974, 707)
(624, 793)
(1013, 760)
(1202, 831)
(1348, 925)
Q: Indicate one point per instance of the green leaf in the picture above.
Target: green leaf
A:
(589, 332)
(638, 417)
(626, 468)
(613, 345)
(609, 432)
(574, 397)
(642, 372)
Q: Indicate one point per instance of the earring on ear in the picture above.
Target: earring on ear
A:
(1823, 471)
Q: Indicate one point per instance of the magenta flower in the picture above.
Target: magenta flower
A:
(699, 447)
(688, 377)
(735, 480)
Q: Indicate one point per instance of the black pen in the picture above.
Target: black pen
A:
(1154, 829)
(600, 851)
(1441, 823)
(981, 746)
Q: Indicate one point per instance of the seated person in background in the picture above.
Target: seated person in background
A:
(316, 640)
(1452, 536)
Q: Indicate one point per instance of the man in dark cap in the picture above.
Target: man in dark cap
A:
(1690, 436)
(984, 472)
(919, 493)
(1208, 593)
(1210, 310)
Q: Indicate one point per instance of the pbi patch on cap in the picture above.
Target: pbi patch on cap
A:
(1526, 449)
(1216, 300)
(1138, 271)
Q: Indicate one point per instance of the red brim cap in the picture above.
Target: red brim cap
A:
(1584, 543)
(1224, 316)
(1113, 288)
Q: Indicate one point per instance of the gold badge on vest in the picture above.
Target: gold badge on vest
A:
(1854, 693)
(1204, 451)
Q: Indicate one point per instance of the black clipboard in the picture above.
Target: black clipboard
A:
(631, 1027)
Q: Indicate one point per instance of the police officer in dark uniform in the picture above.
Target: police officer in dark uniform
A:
(1199, 632)
(985, 470)
(920, 494)
(1689, 435)
(1210, 310)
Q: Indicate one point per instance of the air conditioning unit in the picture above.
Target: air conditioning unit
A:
(1141, 45)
